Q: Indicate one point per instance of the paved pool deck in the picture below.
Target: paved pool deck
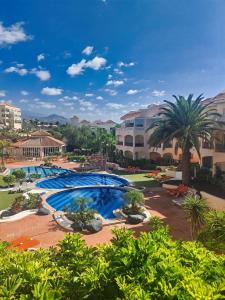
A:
(46, 230)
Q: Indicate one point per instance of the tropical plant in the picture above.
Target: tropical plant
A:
(3, 146)
(17, 204)
(150, 267)
(134, 200)
(186, 121)
(9, 180)
(83, 214)
(195, 210)
(19, 174)
(213, 233)
(155, 223)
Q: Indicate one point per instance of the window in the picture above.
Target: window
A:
(139, 122)
(129, 123)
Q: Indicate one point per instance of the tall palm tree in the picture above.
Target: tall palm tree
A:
(187, 121)
(3, 146)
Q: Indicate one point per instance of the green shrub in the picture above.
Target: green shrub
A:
(134, 199)
(19, 174)
(9, 180)
(150, 267)
(213, 234)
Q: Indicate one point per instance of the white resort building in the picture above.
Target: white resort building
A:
(132, 138)
(38, 145)
(10, 116)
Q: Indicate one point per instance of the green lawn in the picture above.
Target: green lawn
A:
(6, 199)
(138, 179)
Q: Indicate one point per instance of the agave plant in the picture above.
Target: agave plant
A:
(186, 121)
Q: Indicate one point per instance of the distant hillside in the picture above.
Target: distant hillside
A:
(50, 119)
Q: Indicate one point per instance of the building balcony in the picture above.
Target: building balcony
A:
(119, 143)
(139, 145)
(129, 144)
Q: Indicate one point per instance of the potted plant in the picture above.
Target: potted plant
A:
(134, 206)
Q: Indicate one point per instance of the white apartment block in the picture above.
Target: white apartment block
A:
(132, 138)
(10, 116)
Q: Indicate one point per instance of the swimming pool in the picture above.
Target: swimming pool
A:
(103, 199)
(81, 179)
(42, 171)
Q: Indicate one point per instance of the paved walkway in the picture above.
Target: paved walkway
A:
(45, 229)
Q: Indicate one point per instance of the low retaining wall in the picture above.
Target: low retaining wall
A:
(18, 216)
(214, 202)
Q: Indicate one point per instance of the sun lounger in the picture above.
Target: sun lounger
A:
(23, 243)
(178, 191)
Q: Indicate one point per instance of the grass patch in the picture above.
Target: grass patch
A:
(139, 179)
(6, 199)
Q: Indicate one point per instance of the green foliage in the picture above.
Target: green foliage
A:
(19, 174)
(47, 161)
(134, 199)
(83, 214)
(195, 210)
(213, 234)
(22, 203)
(156, 223)
(9, 179)
(150, 267)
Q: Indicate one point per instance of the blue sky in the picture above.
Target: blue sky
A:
(99, 59)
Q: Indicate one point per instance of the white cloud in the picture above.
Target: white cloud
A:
(2, 93)
(20, 71)
(23, 101)
(41, 74)
(89, 95)
(51, 91)
(68, 104)
(99, 98)
(47, 105)
(75, 98)
(88, 50)
(132, 92)
(24, 93)
(76, 69)
(118, 71)
(157, 93)
(96, 63)
(114, 105)
(40, 57)
(115, 83)
(111, 92)
(109, 76)
(86, 105)
(122, 64)
(12, 34)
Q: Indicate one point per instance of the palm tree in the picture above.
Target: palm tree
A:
(3, 146)
(187, 121)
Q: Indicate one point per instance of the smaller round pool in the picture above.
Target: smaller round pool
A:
(43, 171)
(102, 199)
(81, 179)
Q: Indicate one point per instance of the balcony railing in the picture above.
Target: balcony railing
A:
(139, 144)
(220, 148)
(119, 143)
(207, 145)
(130, 144)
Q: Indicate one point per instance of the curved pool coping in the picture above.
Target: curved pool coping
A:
(129, 183)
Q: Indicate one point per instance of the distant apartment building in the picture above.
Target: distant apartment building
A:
(10, 116)
(107, 125)
(132, 138)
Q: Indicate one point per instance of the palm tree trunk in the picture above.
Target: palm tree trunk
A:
(186, 163)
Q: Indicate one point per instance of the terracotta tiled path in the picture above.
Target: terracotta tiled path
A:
(44, 229)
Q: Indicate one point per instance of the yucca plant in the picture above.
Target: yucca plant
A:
(195, 210)
(187, 121)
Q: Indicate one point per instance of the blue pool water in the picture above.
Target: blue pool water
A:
(44, 172)
(81, 179)
(102, 199)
